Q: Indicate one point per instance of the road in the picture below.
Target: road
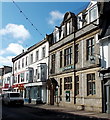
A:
(27, 113)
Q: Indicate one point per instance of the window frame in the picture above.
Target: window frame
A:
(68, 56)
(91, 84)
(43, 52)
(90, 47)
(53, 60)
(68, 83)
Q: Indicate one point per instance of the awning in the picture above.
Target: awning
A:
(51, 82)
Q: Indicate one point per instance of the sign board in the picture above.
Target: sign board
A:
(67, 96)
(68, 68)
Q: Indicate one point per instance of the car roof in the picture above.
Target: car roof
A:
(11, 92)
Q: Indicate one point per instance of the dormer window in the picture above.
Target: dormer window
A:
(56, 35)
(79, 22)
(93, 14)
(68, 28)
(62, 31)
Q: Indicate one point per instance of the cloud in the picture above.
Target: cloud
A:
(55, 16)
(16, 31)
(6, 60)
(13, 48)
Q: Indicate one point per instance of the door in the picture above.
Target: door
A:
(52, 95)
(108, 98)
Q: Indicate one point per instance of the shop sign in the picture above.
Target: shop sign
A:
(6, 86)
(68, 68)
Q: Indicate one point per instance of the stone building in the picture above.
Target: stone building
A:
(74, 61)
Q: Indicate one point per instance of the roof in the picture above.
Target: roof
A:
(29, 50)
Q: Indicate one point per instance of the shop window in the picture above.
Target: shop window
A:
(67, 83)
(91, 87)
(67, 56)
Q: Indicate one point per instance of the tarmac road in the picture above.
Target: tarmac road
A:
(27, 113)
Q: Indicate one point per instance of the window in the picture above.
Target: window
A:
(43, 52)
(62, 31)
(60, 59)
(19, 64)
(15, 79)
(22, 62)
(22, 77)
(79, 22)
(91, 89)
(77, 85)
(15, 66)
(67, 83)
(76, 52)
(31, 58)
(26, 60)
(53, 63)
(67, 56)
(90, 48)
(18, 78)
(27, 76)
(93, 14)
(55, 36)
(37, 55)
(84, 18)
(68, 28)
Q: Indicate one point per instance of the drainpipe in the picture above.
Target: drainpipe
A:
(74, 72)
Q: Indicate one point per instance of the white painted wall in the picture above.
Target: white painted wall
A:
(105, 53)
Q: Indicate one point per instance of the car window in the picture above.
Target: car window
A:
(14, 95)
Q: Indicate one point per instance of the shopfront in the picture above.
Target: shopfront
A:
(35, 93)
(105, 74)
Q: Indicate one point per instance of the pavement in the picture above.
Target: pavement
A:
(94, 115)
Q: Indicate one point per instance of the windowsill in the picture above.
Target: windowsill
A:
(91, 96)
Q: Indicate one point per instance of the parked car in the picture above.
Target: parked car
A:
(13, 98)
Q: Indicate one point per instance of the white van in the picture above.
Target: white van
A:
(13, 98)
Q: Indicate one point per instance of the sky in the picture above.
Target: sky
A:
(16, 32)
